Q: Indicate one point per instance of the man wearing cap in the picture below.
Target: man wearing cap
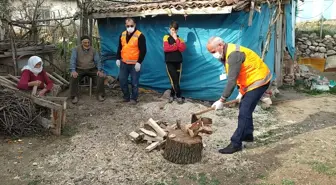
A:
(85, 61)
(247, 70)
(131, 52)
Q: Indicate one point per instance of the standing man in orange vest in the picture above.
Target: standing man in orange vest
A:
(131, 53)
(247, 70)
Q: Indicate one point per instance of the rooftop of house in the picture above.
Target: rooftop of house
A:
(103, 9)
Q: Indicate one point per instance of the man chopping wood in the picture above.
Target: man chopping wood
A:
(247, 70)
(131, 52)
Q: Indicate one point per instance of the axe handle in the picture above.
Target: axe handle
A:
(213, 108)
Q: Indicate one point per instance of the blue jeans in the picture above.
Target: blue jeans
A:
(245, 121)
(125, 71)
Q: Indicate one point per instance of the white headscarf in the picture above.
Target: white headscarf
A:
(32, 61)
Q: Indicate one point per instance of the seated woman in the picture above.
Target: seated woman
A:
(33, 75)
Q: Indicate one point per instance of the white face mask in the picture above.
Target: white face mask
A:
(130, 29)
(217, 55)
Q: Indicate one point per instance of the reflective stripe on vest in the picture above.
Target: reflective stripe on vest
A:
(254, 72)
(258, 83)
(130, 51)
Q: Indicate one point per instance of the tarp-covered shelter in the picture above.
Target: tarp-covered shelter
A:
(257, 25)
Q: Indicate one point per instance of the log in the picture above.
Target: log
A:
(55, 79)
(160, 132)
(183, 149)
(61, 78)
(148, 132)
(13, 78)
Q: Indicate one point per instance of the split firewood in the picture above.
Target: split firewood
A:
(153, 139)
(136, 136)
(148, 132)
(160, 132)
(157, 144)
(152, 146)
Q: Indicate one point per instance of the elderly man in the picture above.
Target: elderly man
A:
(245, 69)
(131, 53)
(85, 61)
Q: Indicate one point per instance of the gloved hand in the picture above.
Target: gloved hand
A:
(118, 63)
(239, 97)
(218, 105)
(137, 67)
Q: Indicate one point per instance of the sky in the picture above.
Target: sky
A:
(310, 10)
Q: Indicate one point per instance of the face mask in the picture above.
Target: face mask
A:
(217, 55)
(130, 29)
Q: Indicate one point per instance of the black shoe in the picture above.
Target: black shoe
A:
(229, 149)
(248, 138)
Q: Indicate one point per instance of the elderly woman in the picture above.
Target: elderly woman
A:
(34, 75)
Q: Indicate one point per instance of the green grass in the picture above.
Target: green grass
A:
(323, 168)
(287, 182)
(69, 130)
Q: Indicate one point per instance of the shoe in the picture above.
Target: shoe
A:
(125, 100)
(248, 138)
(179, 100)
(74, 100)
(171, 99)
(101, 98)
(133, 102)
(229, 149)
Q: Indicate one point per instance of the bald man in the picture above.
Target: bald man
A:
(245, 69)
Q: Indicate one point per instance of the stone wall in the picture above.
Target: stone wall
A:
(312, 46)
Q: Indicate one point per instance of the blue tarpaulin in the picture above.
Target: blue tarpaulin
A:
(200, 73)
(290, 31)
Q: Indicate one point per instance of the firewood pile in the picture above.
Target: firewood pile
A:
(155, 133)
(18, 115)
(21, 113)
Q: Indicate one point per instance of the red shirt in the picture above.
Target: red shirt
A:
(27, 76)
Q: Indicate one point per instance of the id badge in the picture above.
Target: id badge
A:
(222, 77)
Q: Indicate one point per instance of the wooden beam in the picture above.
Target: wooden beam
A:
(13, 78)
(8, 81)
(54, 79)
(61, 78)
(251, 13)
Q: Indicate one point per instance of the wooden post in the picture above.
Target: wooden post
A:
(13, 51)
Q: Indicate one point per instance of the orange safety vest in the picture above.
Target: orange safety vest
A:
(253, 73)
(130, 51)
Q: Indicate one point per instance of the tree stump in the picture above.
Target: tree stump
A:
(183, 149)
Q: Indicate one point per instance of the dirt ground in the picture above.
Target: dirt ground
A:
(295, 144)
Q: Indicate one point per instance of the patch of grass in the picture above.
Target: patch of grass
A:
(287, 182)
(323, 168)
(204, 180)
(69, 130)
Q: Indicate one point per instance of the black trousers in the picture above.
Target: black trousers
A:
(174, 70)
(87, 72)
